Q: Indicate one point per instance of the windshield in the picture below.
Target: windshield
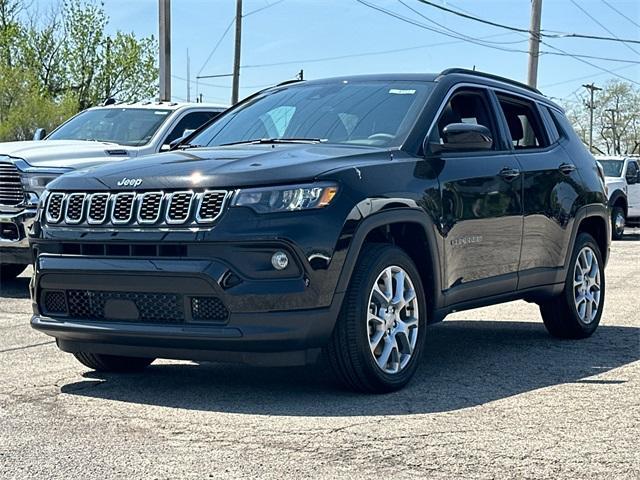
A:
(612, 168)
(360, 113)
(125, 126)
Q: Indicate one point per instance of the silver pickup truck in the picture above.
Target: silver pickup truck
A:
(93, 137)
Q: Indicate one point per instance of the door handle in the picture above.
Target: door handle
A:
(566, 168)
(509, 173)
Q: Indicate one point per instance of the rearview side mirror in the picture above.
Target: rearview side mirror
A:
(39, 134)
(462, 137)
(632, 179)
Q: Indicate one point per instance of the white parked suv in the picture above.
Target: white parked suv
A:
(622, 177)
(93, 137)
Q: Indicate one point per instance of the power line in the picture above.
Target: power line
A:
(263, 8)
(467, 37)
(596, 21)
(224, 34)
(589, 63)
(584, 77)
(363, 54)
(620, 13)
(213, 85)
(553, 34)
(475, 40)
(426, 27)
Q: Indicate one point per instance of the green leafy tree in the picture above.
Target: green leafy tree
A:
(56, 63)
(616, 118)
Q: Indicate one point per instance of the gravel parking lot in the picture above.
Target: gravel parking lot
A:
(495, 397)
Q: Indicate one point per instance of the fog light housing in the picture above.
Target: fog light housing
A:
(279, 260)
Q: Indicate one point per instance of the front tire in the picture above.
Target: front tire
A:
(618, 222)
(9, 271)
(112, 363)
(577, 311)
(379, 336)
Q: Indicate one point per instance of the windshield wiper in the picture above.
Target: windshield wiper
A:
(186, 146)
(276, 140)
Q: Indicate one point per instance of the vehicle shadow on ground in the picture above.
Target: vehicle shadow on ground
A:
(16, 288)
(630, 237)
(467, 363)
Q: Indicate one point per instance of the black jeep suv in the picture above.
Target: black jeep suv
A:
(340, 215)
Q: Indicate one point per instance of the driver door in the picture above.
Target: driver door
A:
(633, 188)
(482, 214)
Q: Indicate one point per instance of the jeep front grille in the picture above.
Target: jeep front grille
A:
(11, 191)
(98, 208)
(122, 207)
(179, 207)
(186, 208)
(54, 207)
(211, 205)
(75, 207)
(150, 204)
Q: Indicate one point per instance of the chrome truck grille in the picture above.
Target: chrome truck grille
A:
(135, 209)
(11, 191)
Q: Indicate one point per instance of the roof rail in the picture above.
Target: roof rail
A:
(490, 76)
(287, 82)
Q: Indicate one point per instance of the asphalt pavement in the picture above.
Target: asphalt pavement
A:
(494, 397)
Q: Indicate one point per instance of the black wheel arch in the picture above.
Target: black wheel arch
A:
(594, 219)
(383, 227)
(619, 199)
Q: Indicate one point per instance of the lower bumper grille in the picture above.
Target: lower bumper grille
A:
(135, 307)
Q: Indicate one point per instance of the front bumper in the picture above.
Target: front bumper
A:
(14, 243)
(271, 321)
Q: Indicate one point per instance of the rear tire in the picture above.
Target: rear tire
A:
(9, 271)
(379, 336)
(577, 311)
(618, 222)
(112, 363)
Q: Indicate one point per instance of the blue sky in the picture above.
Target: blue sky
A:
(292, 33)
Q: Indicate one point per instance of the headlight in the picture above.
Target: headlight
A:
(287, 198)
(34, 181)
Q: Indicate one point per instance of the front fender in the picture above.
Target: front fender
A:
(389, 217)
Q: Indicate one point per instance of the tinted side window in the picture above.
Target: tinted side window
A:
(632, 169)
(465, 107)
(191, 121)
(552, 128)
(525, 125)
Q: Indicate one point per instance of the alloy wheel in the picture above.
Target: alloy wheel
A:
(392, 319)
(586, 285)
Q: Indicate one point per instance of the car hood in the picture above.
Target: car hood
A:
(614, 181)
(66, 153)
(222, 167)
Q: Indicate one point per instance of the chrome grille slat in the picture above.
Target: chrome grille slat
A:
(179, 207)
(75, 208)
(98, 204)
(11, 191)
(150, 205)
(54, 207)
(211, 205)
(122, 209)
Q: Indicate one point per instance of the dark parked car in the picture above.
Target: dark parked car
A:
(342, 215)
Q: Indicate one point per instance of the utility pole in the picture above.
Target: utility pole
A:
(592, 89)
(164, 10)
(188, 77)
(236, 56)
(616, 149)
(534, 43)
